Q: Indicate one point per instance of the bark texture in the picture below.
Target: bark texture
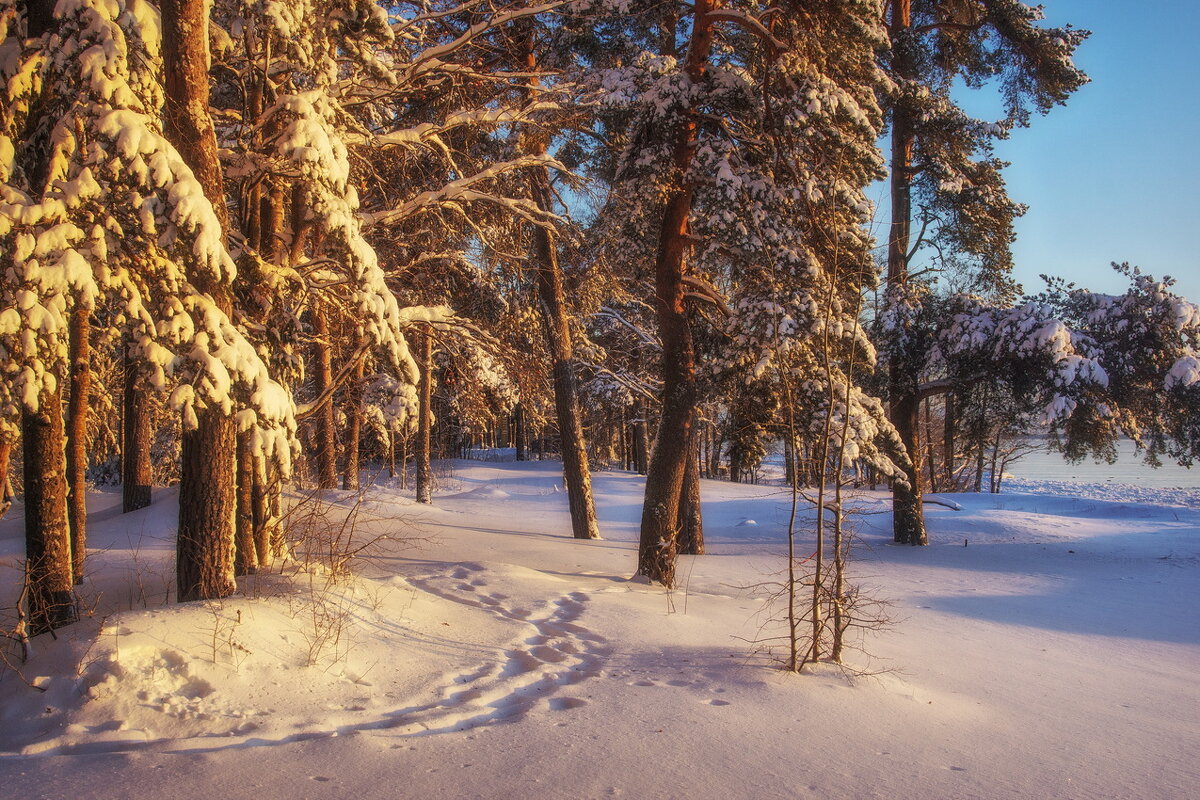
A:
(136, 470)
(691, 521)
(5, 482)
(204, 550)
(77, 436)
(908, 519)
(207, 503)
(668, 463)
(48, 566)
(576, 474)
(425, 422)
(354, 416)
(555, 324)
(245, 559)
(326, 428)
(519, 432)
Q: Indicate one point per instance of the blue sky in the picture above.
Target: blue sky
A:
(1115, 174)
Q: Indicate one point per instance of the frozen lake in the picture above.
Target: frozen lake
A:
(1128, 469)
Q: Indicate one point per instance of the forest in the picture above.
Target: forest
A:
(254, 246)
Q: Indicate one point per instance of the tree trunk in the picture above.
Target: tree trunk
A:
(263, 519)
(576, 474)
(908, 519)
(641, 452)
(354, 415)
(714, 452)
(326, 426)
(48, 563)
(691, 520)
(931, 461)
(979, 460)
(204, 553)
(555, 325)
(425, 421)
(136, 469)
(245, 559)
(519, 431)
(77, 438)
(403, 462)
(948, 443)
(207, 507)
(908, 514)
(6, 498)
(672, 451)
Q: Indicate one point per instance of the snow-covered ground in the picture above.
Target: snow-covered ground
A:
(1044, 645)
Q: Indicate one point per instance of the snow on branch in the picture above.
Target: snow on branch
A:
(119, 214)
(463, 190)
(311, 141)
(432, 57)
(429, 131)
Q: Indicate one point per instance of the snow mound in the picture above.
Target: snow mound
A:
(486, 492)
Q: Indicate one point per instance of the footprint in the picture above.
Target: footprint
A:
(558, 652)
(547, 654)
(566, 703)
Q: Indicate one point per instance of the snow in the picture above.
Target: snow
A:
(1044, 645)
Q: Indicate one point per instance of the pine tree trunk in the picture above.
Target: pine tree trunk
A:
(354, 415)
(908, 519)
(691, 520)
(672, 451)
(207, 507)
(207, 504)
(714, 452)
(326, 425)
(6, 498)
(48, 563)
(948, 443)
(576, 474)
(260, 502)
(245, 559)
(519, 431)
(556, 328)
(908, 514)
(425, 421)
(628, 434)
(77, 438)
(403, 462)
(136, 469)
(930, 460)
(642, 450)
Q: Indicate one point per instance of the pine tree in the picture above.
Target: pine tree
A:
(750, 160)
(942, 173)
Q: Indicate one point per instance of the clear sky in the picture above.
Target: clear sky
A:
(1115, 174)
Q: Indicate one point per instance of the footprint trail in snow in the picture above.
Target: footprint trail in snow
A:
(558, 653)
